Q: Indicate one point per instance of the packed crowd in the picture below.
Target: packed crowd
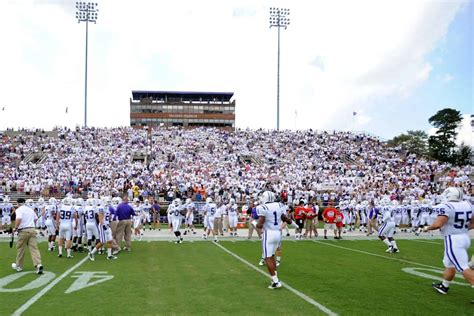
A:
(208, 162)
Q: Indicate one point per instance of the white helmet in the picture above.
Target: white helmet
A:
(146, 202)
(40, 201)
(136, 200)
(395, 203)
(452, 194)
(188, 201)
(267, 197)
(67, 201)
(90, 202)
(52, 201)
(209, 200)
(30, 202)
(177, 202)
(6, 199)
(80, 201)
(232, 201)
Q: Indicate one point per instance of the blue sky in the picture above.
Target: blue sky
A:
(393, 62)
(450, 83)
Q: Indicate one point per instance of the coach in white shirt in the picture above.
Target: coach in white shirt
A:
(25, 225)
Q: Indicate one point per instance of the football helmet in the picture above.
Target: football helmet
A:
(52, 201)
(188, 201)
(147, 202)
(40, 201)
(452, 194)
(232, 201)
(6, 199)
(177, 202)
(267, 197)
(29, 202)
(209, 200)
(90, 202)
(67, 201)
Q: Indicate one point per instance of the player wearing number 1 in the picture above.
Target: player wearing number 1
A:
(270, 216)
(454, 221)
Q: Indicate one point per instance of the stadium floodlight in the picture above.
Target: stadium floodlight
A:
(86, 12)
(279, 19)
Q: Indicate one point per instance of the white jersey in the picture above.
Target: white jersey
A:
(272, 213)
(175, 211)
(145, 208)
(387, 215)
(459, 216)
(89, 214)
(6, 209)
(50, 212)
(210, 209)
(232, 210)
(107, 216)
(66, 214)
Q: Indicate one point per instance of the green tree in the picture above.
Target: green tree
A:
(413, 141)
(464, 155)
(442, 145)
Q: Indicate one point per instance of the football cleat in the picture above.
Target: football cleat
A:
(39, 269)
(278, 263)
(438, 286)
(111, 257)
(389, 249)
(16, 268)
(70, 257)
(261, 262)
(60, 255)
(91, 256)
(395, 250)
(275, 285)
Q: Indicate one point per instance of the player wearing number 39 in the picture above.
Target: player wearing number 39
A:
(454, 221)
(270, 216)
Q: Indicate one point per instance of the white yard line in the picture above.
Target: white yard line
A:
(294, 291)
(427, 242)
(375, 255)
(38, 295)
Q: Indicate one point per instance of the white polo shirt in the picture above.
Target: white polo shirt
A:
(27, 216)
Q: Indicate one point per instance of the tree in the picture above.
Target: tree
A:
(412, 141)
(464, 155)
(442, 145)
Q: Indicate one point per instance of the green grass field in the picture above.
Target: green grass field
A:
(345, 277)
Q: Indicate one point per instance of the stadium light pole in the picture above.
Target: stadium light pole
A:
(86, 12)
(279, 18)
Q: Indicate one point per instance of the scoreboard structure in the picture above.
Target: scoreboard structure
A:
(175, 108)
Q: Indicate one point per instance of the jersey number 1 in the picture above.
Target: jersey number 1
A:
(276, 220)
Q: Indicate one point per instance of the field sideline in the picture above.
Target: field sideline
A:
(321, 277)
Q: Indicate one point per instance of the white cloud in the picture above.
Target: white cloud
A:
(466, 131)
(445, 78)
(333, 57)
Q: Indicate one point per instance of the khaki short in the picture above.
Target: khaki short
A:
(329, 226)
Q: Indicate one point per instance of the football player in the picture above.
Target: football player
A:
(91, 216)
(189, 217)
(454, 221)
(210, 209)
(50, 214)
(270, 216)
(233, 217)
(176, 219)
(66, 220)
(105, 234)
(387, 228)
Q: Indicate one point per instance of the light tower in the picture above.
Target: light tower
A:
(279, 18)
(86, 12)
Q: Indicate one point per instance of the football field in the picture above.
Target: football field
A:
(321, 277)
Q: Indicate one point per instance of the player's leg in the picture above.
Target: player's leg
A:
(270, 243)
(68, 240)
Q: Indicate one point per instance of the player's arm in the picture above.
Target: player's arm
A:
(286, 219)
(260, 221)
(440, 221)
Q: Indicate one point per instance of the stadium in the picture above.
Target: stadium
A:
(181, 204)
